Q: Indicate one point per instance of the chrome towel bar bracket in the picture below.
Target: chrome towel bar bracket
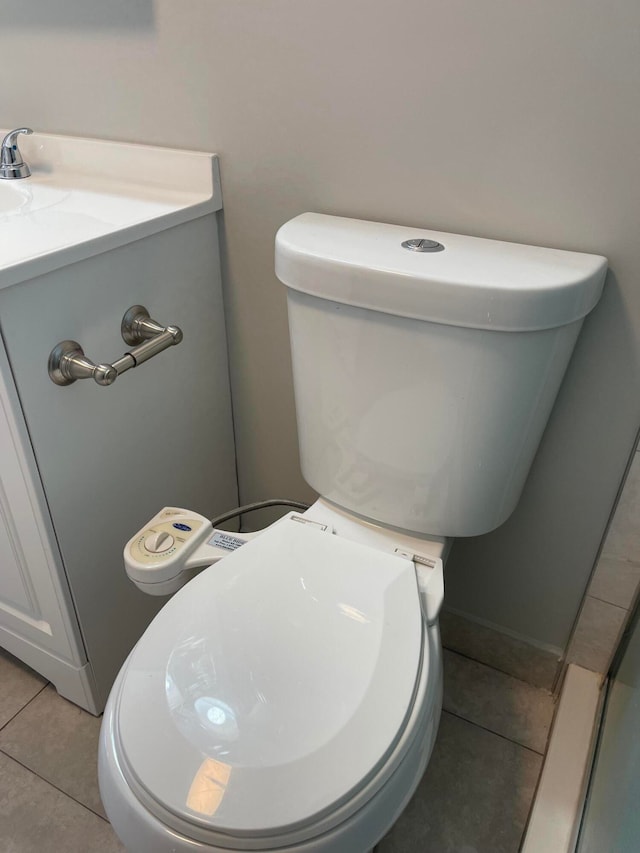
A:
(67, 361)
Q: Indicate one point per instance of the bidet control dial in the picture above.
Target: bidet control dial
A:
(158, 543)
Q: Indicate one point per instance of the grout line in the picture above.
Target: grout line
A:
(501, 671)
(53, 785)
(492, 732)
(617, 606)
(610, 603)
(26, 705)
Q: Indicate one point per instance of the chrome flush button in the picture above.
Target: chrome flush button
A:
(421, 245)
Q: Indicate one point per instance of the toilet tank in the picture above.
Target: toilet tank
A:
(424, 376)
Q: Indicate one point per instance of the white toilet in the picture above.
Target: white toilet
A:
(288, 697)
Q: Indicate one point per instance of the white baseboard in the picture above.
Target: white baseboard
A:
(556, 651)
(75, 683)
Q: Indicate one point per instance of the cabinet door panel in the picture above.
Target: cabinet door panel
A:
(15, 589)
(34, 598)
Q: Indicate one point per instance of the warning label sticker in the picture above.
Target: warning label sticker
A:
(226, 540)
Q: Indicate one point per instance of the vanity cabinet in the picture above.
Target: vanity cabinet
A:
(82, 467)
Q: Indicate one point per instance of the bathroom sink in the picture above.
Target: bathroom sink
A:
(22, 197)
(12, 198)
(87, 196)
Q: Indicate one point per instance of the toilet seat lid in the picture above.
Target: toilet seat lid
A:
(274, 685)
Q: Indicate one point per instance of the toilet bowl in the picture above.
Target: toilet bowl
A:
(288, 697)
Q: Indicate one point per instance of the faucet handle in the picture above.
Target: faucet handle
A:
(10, 139)
(11, 163)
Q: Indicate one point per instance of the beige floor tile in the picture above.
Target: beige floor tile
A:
(36, 818)
(596, 635)
(615, 581)
(474, 797)
(509, 655)
(498, 702)
(59, 742)
(623, 538)
(18, 685)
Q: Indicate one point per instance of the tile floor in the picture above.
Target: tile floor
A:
(614, 584)
(474, 798)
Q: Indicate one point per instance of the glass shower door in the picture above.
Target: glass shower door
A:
(611, 821)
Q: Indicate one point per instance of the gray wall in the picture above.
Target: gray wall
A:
(516, 121)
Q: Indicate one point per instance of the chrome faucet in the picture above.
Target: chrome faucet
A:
(11, 163)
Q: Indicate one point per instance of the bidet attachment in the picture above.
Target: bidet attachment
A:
(11, 163)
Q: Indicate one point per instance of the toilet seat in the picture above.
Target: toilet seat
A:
(260, 686)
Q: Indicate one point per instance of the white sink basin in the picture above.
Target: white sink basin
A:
(87, 196)
(24, 196)
(12, 198)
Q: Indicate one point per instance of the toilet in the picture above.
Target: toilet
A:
(287, 697)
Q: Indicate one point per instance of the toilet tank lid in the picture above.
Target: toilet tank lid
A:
(472, 282)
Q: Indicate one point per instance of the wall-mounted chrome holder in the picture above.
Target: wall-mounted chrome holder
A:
(67, 361)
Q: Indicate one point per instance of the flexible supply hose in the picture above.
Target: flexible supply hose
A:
(241, 510)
